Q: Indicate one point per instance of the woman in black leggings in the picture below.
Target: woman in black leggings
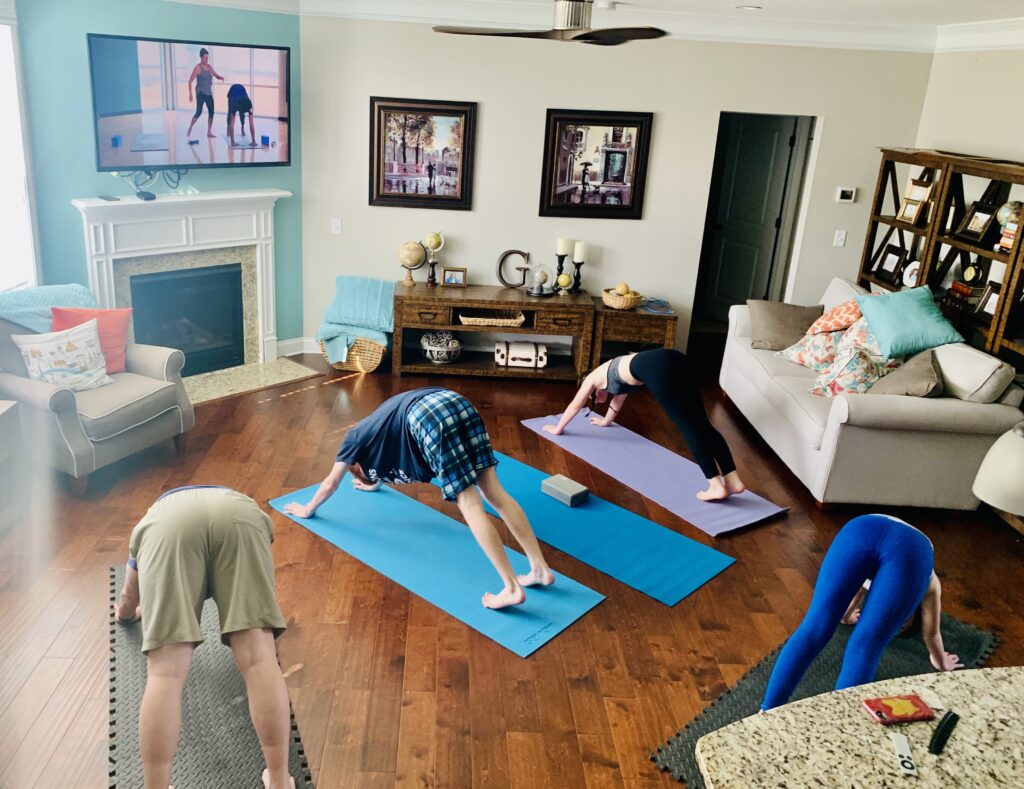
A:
(668, 376)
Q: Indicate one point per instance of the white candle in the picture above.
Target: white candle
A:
(579, 252)
(564, 246)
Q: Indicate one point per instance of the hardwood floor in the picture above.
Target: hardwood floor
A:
(388, 690)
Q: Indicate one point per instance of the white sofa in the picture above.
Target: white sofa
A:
(863, 448)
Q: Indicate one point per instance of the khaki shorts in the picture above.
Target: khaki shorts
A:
(205, 542)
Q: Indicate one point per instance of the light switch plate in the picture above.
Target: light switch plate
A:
(839, 239)
(336, 226)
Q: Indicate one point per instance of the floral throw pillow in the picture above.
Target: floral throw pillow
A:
(837, 318)
(859, 336)
(816, 351)
(854, 371)
(71, 358)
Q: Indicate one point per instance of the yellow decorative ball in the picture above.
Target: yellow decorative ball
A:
(622, 289)
(564, 280)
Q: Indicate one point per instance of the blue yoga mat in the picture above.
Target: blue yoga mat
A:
(650, 558)
(437, 558)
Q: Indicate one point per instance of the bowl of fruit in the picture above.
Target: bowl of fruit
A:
(621, 297)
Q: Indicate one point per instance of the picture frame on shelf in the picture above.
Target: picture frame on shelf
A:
(977, 224)
(915, 204)
(421, 153)
(453, 277)
(911, 212)
(918, 190)
(889, 263)
(595, 163)
(989, 302)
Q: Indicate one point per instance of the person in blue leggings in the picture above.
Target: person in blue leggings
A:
(898, 561)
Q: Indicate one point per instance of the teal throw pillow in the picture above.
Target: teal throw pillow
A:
(907, 322)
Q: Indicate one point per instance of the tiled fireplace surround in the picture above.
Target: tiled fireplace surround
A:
(174, 232)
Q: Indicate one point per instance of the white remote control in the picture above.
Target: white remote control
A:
(904, 758)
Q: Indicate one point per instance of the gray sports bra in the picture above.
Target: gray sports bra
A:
(616, 385)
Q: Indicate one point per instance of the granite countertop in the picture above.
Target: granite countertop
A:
(829, 740)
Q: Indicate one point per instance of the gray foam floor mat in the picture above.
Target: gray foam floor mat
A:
(904, 657)
(218, 746)
(144, 142)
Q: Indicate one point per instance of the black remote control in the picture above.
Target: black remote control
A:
(942, 732)
(145, 195)
(109, 198)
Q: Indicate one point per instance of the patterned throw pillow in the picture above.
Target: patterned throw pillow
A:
(71, 358)
(816, 351)
(837, 318)
(859, 336)
(858, 364)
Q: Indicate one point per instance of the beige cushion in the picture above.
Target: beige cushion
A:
(1013, 395)
(919, 376)
(838, 291)
(775, 326)
(806, 412)
(129, 401)
(761, 368)
(972, 375)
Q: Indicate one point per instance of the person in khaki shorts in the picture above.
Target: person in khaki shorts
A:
(194, 543)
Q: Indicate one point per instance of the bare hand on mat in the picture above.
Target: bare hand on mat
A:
(947, 662)
(552, 429)
(125, 615)
(299, 510)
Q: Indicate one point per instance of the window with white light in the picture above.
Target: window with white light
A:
(18, 260)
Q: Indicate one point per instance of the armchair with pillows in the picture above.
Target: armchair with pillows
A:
(915, 440)
(88, 398)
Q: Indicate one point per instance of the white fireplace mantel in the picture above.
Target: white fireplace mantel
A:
(180, 223)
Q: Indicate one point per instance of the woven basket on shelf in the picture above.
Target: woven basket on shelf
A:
(364, 356)
(619, 302)
(513, 319)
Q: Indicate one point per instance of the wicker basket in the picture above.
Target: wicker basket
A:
(513, 319)
(364, 356)
(619, 302)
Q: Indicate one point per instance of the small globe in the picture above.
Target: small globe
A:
(412, 255)
(1009, 212)
(434, 242)
(564, 280)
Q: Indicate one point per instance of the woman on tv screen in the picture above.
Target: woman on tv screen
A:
(203, 75)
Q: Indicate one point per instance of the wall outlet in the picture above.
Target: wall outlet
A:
(839, 239)
(336, 226)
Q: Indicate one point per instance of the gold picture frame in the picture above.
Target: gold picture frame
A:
(915, 204)
(453, 277)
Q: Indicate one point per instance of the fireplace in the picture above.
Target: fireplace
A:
(197, 310)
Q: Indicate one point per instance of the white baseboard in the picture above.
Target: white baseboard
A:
(297, 346)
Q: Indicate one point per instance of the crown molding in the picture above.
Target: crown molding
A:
(981, 36)
(742, 28)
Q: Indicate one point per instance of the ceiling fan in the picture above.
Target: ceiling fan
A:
(572, 23)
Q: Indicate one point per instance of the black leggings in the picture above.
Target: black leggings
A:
(203, 99)
(670, 378)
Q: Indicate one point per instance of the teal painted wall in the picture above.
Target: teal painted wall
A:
(55, 72)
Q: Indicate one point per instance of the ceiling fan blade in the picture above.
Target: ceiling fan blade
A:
(495, 31)
(610, 36)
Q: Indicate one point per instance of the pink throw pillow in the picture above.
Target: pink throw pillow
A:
(113, 330)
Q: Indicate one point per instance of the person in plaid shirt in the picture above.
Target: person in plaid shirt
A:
(434, 432)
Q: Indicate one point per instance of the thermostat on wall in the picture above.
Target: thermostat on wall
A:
(846, 194)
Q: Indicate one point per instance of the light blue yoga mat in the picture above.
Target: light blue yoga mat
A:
(437, 558)
(638, 552)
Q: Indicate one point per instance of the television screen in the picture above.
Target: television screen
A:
(161, 104)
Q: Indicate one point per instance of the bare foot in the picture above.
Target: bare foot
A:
(538, 576)
(733, 483)
(504, 598)
(266, 780)
(212, 136)
(716, 491)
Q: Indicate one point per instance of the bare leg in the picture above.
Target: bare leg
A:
(209, 126)
(268, 700)
(472, 509)
(510, 511)
(160, 714)
(252, 130)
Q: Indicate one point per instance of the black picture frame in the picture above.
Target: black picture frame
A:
(989, 296)
(886, 253)
(415, 176)
(974, 227)
(623, 168)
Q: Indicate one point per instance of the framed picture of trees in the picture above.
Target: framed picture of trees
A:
(421, 153)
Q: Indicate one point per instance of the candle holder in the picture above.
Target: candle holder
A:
(558, 272)
(576, 277)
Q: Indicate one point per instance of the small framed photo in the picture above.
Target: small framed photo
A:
(889, 264)
(911, 211)
(453, 277)
(919, 191)
(989, 300)
(977, 223)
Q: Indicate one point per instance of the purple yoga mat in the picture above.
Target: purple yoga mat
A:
(651, 470)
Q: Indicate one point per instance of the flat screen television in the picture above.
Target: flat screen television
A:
(162, 104)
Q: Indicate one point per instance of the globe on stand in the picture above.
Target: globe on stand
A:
(412, 255)
(433, 243)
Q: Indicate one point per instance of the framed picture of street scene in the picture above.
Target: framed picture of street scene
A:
(595, 164)
(421, 153)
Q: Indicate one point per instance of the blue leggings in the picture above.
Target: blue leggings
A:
(899, 561)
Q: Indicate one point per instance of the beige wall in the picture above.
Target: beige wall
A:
(970, 107)
(863, 100)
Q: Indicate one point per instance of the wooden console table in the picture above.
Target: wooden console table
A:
(421, 308)
(629, 330)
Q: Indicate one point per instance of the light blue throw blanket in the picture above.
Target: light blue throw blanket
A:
(30, 307)
(362, 307)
